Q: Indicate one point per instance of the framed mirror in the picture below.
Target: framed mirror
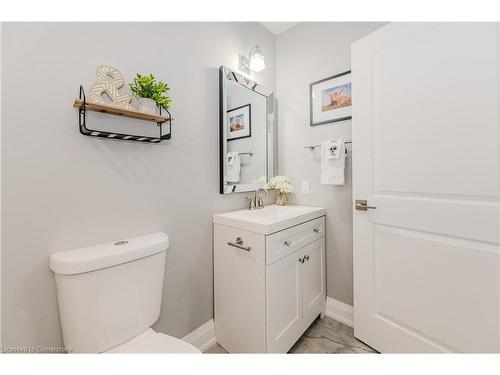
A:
(246, 133)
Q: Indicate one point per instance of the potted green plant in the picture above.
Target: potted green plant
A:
(150, 93)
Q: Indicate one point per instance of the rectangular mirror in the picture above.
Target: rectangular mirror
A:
(246, 133)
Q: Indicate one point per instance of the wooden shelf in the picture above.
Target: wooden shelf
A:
(101, 107)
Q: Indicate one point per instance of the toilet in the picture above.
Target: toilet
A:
(110, 295)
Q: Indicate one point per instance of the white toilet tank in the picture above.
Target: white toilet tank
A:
(109, 293)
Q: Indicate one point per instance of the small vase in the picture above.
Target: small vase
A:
(147, 105)
(281, 199)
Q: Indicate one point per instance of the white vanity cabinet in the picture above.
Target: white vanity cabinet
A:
(269, 276)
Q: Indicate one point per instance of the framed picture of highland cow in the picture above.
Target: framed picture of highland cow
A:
(331, 99)
(239, 122)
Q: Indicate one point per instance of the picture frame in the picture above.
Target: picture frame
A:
(330, 99)
(239, 122)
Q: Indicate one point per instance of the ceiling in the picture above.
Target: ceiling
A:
(278, 27)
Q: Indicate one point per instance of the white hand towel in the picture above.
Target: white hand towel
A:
(233, 167)
(335, 147)
(333, 162)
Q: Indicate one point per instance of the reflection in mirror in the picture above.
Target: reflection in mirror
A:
(246, 133)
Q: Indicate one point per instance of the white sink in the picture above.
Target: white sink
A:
(269, 219)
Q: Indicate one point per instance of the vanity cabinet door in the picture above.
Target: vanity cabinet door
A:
(313, 280)
(284, 303)
(239, 290)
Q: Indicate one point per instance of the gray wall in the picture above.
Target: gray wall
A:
(62, 190)
(306, 53)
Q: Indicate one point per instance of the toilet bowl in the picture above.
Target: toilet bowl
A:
(109, 296)
(154, 342)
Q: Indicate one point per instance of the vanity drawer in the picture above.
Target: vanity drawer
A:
(280, 244)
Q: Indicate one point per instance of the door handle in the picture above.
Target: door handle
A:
(362, 205)
(239, 244)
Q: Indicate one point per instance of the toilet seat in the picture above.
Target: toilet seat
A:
(154, 342)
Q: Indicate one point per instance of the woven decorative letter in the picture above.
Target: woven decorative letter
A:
(109, 80)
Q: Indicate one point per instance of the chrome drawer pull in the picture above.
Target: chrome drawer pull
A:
(306, 257)
(316, 230)
(287, 243)
(239, 244)
(301, 260)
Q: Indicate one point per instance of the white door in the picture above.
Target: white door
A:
(284, 302)
(313, 276)
(426, 154)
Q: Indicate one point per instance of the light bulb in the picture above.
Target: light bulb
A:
(257, 59)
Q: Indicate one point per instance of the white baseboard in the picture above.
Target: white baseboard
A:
(340, 311)
(202, 337)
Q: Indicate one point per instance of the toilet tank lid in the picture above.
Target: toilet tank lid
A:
(93, 258)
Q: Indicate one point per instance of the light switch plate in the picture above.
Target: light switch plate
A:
(306, 187)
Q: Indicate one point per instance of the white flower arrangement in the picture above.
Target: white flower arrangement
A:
(279, 183)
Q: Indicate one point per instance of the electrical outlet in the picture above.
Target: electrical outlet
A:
(306, 187)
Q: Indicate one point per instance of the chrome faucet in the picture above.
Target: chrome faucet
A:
(257, 201)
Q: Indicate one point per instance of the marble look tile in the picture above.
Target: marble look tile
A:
(342, 332)
(323, 336)
(215, 349)
(330, 323)
(317, 345)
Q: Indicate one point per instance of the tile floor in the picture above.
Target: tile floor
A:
(323, 336)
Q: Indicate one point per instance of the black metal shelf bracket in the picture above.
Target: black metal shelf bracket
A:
(82, 111)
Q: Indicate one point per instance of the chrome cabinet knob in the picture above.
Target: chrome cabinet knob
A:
(287, 243)
(303, 259)
(316, 230)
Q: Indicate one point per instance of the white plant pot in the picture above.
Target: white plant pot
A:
(147, 105)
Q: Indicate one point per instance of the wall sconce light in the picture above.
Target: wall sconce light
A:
(255, 61)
